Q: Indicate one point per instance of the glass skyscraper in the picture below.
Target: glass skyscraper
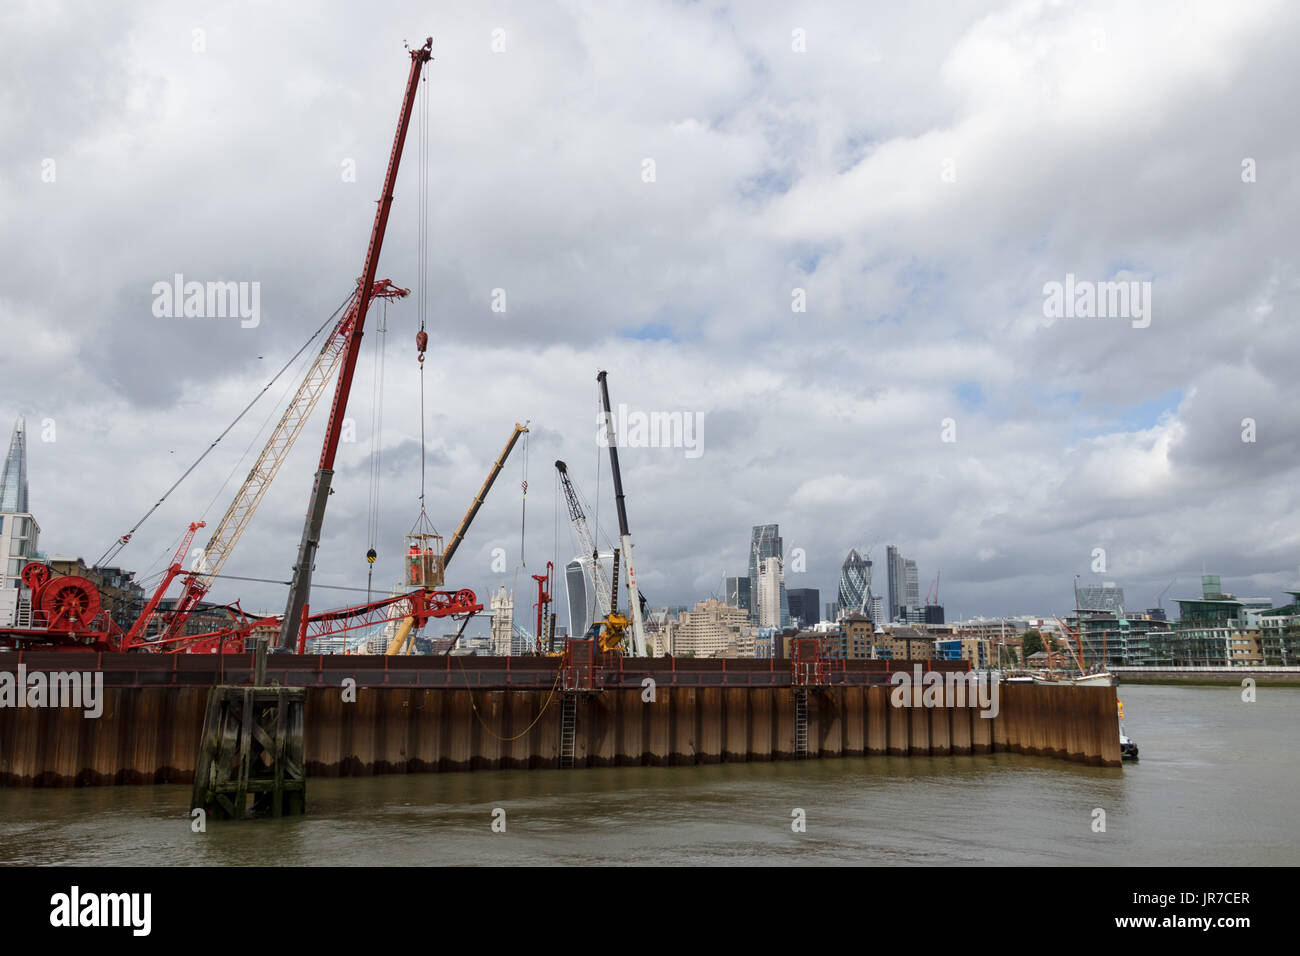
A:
(911, 592)
(855, 583)
(897, 584)
(575, 589)
(805, 605)
(13, 479)
(764, 543)
(1108, 597)
(738, 593)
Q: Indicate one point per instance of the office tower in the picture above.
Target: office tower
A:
(770, 589)
(575, 589)
(738, 593)
(896, 593)
(764, 543)
(13, 479)
(1108, 597)
(855, 582)
(911, 589)
(19, 532)
(804, 606)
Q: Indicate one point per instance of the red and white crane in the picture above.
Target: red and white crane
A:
(67, 611)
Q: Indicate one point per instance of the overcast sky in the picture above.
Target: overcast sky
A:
(920, 171)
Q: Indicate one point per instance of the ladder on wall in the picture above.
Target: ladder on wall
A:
(568, 730)
(801, 722)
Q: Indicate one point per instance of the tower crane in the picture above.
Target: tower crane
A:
(932, 596)
(625, 536)
(1161, 596)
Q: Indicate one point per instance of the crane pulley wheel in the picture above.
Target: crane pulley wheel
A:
(70, 603)
(34, 575)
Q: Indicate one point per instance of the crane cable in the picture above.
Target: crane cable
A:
(595, 517)
(559, 671)
(376, 447)
(422, 261)
(555, 546)
(115, 548)
(523, 508)
(257, 437)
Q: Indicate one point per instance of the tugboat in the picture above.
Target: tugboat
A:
(1128, 750)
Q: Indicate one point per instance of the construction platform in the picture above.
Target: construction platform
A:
(374, 715)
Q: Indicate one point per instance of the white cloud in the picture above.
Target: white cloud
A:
(821, 170)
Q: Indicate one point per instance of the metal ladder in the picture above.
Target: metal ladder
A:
(23, 613)
(801, 723)
(568, 730)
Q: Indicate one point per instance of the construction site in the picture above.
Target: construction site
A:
(248, 708)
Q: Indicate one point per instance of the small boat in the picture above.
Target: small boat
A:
(1086, 680)
(1128, 750)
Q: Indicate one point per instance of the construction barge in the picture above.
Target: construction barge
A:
(452, 713)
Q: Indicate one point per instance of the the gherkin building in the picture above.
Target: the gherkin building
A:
(855, 584)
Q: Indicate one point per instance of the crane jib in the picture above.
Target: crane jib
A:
(302, 571)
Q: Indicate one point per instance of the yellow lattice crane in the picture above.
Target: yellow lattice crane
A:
(426, 561)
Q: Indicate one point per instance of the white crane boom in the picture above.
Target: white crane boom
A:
(625, 536)
(586, 543)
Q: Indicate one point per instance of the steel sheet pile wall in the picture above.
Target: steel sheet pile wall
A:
(150, 734)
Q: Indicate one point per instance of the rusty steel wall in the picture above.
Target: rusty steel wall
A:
(150, 734)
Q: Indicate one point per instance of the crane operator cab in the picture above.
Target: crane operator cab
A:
(423, 560)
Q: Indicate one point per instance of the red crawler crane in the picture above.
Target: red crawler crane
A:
(320, 492)
(66, 612)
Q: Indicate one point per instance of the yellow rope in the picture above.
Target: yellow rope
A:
(474, 706)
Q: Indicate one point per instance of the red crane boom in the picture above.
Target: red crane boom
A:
(300, 587)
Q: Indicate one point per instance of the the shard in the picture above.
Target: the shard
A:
(13, 480)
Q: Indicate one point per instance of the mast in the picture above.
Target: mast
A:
(625, 536)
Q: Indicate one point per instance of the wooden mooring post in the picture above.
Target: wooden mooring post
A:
(250, 760)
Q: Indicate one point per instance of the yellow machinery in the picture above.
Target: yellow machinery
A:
(610, 632)
(426, 562)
